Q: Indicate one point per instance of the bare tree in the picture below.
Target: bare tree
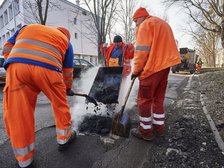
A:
(124, 14)
(207, 47)
(38, 10)
(102, 12)
(207, 43)
(205, 13)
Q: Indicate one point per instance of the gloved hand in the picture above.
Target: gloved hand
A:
(69, 92)
(133, 76)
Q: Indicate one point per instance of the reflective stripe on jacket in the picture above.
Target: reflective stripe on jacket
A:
(49, 48)
(9, 44)
(155, 47)
(7, 49)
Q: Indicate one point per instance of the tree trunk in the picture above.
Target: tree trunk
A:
(222, 32)
(213, 52)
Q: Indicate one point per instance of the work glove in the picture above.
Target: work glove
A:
(69, 92)
(133, 76)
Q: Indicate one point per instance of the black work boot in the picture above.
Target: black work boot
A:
(136, 133)
(62, 147)
(159, 131)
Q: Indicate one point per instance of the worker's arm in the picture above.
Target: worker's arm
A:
(144, 38)
(103, 50)
(68, 68)
(129, 51)
(9, 44)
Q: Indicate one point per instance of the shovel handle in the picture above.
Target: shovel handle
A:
(80, 94)
(90, 99)
(126, 97)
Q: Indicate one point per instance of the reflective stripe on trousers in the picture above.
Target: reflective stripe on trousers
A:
(145, 122)
(63, 135)
(25, 163)
(158, 119)
(24, 155)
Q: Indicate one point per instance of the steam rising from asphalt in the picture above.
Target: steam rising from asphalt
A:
(83, 85)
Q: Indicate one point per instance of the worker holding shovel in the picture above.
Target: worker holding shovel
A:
(39, 58)
(155, 53)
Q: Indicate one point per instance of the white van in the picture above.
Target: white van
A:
(2, 70)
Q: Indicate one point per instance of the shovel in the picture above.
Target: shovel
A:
(106, 86)
(89, 99)
(121, 122)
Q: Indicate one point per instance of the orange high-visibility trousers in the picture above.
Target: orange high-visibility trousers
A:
(151, 97)
(23, 84)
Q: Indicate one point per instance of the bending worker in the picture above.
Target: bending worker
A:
(155, 53)
(36, 55)
(118, 54)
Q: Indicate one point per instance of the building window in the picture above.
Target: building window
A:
(7, 35)
(1, 21)
(76, 35)
(19, 26)
(0, 41)
(91, 59)
(75, 20)
(6, 17)
(12, 31)
(10, 13)
(16, 6)
(3, 39)
(84, 13)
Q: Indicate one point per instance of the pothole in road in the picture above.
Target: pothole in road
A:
(96, 124)
(99, 120)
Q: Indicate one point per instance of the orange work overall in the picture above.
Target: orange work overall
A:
(23, 84)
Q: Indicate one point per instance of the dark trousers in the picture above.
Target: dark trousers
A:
(151, 97)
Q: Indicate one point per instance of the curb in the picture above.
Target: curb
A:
(211, 122)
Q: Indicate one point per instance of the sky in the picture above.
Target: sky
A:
(176, 19)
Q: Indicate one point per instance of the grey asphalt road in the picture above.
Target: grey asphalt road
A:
(88, 150)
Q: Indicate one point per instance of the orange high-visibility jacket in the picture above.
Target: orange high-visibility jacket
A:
(155, 47)
(127, 54)
(50, 49)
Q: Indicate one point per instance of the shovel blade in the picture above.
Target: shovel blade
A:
(121, 125)
(91, 100)
(106, 85)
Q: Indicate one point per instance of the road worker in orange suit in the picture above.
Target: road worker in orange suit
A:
(118, 54)
(38, 58)
(155, 53)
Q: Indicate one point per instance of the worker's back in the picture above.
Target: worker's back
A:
(39, 44)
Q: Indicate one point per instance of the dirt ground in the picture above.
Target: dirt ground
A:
(189, 141)
(212, 86)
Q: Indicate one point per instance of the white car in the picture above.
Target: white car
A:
(2, 70)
